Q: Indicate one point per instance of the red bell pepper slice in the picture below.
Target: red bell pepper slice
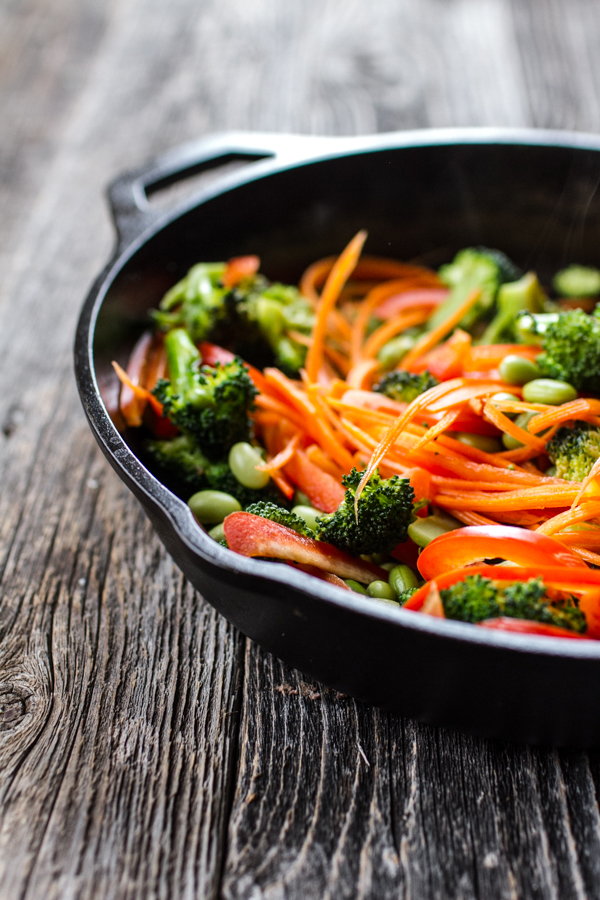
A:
(397, 303)
(238, 268)
(252, 535)
(212, 354)
(466, 545)
(322, 489)
(526, 626)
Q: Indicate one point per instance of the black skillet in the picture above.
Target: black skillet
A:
(421, 195)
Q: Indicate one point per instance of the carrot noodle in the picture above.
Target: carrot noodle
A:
(390, 329)
(339, 274)
(283, 457)
(581, 513)
(140, 392)
(429, 340)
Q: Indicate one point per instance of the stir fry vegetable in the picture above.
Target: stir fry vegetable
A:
(425, 439)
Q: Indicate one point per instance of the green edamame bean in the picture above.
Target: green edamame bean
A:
(522, 421)
(211, 507)
(309, 514)
(381, 590)
(395, 350)
(243, 459)
(423, 531)
(355, 586)
(516, 369)
(217, 533)
(548, 390)
(301, 499)
(551, 472)
(402, 578)
(480, 441)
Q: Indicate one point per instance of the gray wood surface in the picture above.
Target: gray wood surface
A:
(146, 749)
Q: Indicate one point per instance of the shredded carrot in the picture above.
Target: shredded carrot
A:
(391, 328)
(571, 517)
(444, 423)
(429, 340)
(139, 391)
(361, 374)
(339, 274)
(283, 457)
(576, 409)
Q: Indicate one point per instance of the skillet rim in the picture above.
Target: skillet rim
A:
(295, 151)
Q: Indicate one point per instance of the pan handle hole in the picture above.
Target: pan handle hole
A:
(175, 187)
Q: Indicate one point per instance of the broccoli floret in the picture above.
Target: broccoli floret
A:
(210, 404)
(283, 516)
(472, 268)
(254, 316)
(402, 386)
(577, 281)
(180, 460)
(384, 513)
(571, 347)
(514, 297)
(405, 596)
(574, 450)
(476, 599)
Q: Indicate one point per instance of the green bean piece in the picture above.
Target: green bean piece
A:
(485, 442)
(309, 514)
(402, 578)
(243, 459)
(381, 590)
(516, 369)
(550, 391)
(217, 533)
(395, 350)
(522, 421)
(355, 586)
(211, 507)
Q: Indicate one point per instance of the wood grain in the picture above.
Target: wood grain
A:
(146, 750)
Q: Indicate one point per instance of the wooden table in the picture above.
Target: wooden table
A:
(147, 750)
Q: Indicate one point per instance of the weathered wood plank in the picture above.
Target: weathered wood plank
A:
(118, 724)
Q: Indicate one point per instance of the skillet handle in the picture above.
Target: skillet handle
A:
(128, 194)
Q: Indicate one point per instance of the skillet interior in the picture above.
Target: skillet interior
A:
(539, 204)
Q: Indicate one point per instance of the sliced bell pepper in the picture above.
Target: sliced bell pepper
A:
(445, 361)
(252, 535)
(240, 267)
(466, 545)
(525, 626)
(323, 491)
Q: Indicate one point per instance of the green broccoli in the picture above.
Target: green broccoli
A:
(574, 450)
(473, 268)
(252, 317)
(385, 510)
(577, 281)
(402, 386)
(180, 460)
(476, 599)
(210, 404)
(283, 516)
(571, 345)
(513, 297)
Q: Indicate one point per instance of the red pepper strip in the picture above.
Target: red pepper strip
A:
(526, 626)
(568, 579)
(140, 392)
(238, 268)
(465, 545)
(483, 357)
(445, 361)
(252, 535)
(132, 405)
(391, 306)
(324, 576)
(323, 491)
(213, 354)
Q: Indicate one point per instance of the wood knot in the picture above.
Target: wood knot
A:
(14, 706)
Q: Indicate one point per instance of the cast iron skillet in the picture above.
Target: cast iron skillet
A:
(420, 194)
